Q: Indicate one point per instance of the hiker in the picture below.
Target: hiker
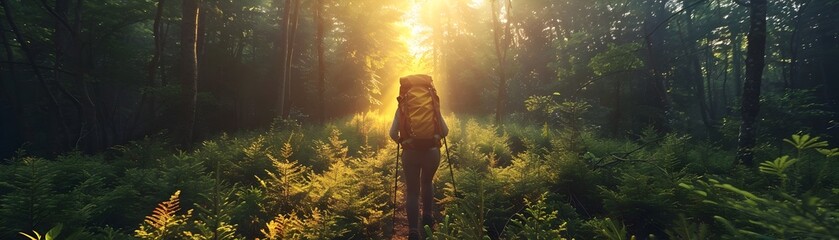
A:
(418, 115)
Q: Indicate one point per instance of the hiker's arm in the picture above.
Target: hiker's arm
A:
(394, 127)
(443, 126)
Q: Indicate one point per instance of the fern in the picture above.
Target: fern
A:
(320, 224)
(164, 222)
(256, 148)
(537, 222)
(608, 229)
(816, 172)
(802, 142)
(761, 216)
(214, 219)
(165, 212)
(777, 168)
(828, 153)
(286, 182)
(354, 191)
(31, 201)
(472, 213)
(688, 231)
(273, 230)
(445, 230)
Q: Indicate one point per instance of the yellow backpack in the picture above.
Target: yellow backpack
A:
(419, 107)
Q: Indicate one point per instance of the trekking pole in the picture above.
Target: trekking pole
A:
(395, 185)
(448, 159)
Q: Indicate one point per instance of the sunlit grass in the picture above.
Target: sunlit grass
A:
(372, 123)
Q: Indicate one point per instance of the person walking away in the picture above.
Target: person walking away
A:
(418, 126)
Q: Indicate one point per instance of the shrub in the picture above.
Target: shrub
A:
(537, 222)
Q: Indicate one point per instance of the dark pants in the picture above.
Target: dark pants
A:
(419, 167)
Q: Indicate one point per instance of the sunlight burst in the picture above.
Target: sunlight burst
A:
(415, 37)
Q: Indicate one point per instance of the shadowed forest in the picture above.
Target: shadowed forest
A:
(569, 119)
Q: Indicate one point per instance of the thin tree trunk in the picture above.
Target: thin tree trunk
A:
(724, 90)
(755, 61)
(163, 40)
(617, 112)
(321, 113)
(738, 67)
(201, 44)
(501, 40)
(282, 46)
(709, 80)
(189, 68)
(794, 47)
(289, 59)
(151, 71)
(696, 71)
(97, 141)
(655, 53)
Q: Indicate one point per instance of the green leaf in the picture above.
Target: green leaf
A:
(802, 142)
(36, 237)
(778, 166)
(725, 223)
(828, 152)
(53, 232)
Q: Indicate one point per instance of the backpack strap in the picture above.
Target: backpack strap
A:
(437, 114)
(402, 121)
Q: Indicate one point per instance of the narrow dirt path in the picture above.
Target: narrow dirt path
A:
(400, 230)
(401, 227)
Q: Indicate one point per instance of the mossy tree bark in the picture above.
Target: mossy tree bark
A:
(755, 61)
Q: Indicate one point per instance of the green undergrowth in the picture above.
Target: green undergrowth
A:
(519, 181)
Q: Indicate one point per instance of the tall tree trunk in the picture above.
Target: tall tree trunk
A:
(157, 30)
(655, 54)
(724, 90)
(794, 46)
(617, 111)
(755, 61)
(501, 40)
(321, 85)
(289, 59)
(201, 45)
(189, 68)
(709, 81)
(151, 70)
(737, 63)
(281, 47)
(695, 70)
(164, 80)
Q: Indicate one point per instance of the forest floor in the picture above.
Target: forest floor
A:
(340, 179)
(400, 228)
